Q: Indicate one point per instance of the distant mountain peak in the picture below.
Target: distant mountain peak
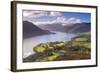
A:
(76, 27)
(31, 30)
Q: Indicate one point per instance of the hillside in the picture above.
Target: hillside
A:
(72, 28)
(77, 49)
(52, 27)
(78, 28)
(30, 30)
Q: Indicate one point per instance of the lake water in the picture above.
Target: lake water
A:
(30, 43)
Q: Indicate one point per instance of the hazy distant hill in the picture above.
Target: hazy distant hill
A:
(73, 28)
(52, 27)
(29, 30)
(78, 28)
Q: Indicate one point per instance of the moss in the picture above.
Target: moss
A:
(60, 44)
(51, 58)
(81, 39)
(40, 49)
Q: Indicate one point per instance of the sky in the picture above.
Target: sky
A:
(50, 17)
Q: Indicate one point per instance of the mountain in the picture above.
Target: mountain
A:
(78, 28)
(29, 30)
(71, 28)
(52, 27)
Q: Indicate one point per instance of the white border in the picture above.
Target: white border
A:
(21, 65)
(81, 2)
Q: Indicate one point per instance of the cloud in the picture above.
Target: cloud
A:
(55, 14)
(71, 21)
(64, 21)
(42, 22)
(30, 14)
(46, 17)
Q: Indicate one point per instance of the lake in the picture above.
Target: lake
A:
(30, 43)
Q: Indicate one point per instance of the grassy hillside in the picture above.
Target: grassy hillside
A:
(78, 48)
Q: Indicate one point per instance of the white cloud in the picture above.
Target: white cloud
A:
(42, 22)
(78, 21)
(55, 14)
(71, 21)
(62, 20)
(66, 22)
(30, 14)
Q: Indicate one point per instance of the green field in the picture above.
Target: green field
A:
(78, 48)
